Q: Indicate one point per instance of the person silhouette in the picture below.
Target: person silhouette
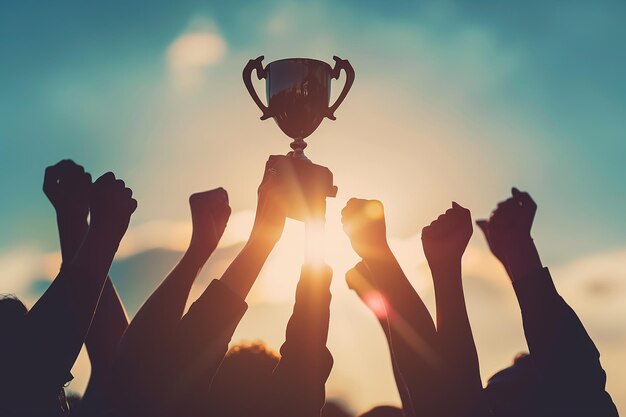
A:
(562, 375)
(430, 365)
(444, 242)
(67, 185)
(289, 384)
(166, 360)
(33, 378)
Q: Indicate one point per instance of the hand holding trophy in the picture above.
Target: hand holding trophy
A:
(298, 97)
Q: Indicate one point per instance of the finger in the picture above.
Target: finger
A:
(133, 205)
(426, 232)
(127, 192)
(524, 198)
(359, 278)
(363, 269)
(120, 184)
(221, 217)
(483, 225)
(86, 178)
(107, 177)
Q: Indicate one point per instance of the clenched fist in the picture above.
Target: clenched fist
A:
(446, 238)
(270, 217)
(364, 223)
(510, 224)
(111, 204)
(209, 214)
(66, 185)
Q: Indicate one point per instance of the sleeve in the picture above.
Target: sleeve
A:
(170, 377)
(561, 350)
(204, 333)
(299, 378)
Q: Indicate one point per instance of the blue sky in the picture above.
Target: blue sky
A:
(452, 100)
(539, 87)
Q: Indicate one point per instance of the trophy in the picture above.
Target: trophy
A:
(298, 98)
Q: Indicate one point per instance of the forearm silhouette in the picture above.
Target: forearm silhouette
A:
(150, 376)
(61, 318)
(413, 338)
(570, 377)
(444, 242)
(305, 364)
(67, 185)
(360, 280)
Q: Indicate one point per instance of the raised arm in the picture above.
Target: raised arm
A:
(67, 185)
(268, 226)
(300, 377)
(61, 318)
(413, 335)
(444, 242)
(560, 348)
(148, 344)
(162, 311)
(360, 280)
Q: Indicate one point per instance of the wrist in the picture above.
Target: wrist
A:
(74, 215)
(523, 259)
(104, 234)
(195, 257)
(379, 254)
(264, 236)
(72, 220)
(443, 266)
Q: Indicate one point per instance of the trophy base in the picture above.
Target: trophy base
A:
(305, 186)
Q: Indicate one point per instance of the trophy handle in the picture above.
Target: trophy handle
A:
(341, 64)
(255, 64)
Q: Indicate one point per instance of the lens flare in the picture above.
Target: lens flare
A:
(376, 302)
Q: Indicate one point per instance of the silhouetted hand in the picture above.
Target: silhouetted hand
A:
(66, 185)
(270, 216)
(209, 214)
(446, 238)
(364, 223)
(508, 233)
(359, 278)
(112, 205)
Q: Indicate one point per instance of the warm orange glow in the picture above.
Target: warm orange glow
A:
(314, 242)
(374, 210)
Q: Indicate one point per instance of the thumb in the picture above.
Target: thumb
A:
(483, 225)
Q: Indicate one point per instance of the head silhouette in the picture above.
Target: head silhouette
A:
(384, 411)
(240, 387)
(12, 314)
(514, 391)
(334, 409)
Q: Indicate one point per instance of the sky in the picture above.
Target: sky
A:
(453, 100)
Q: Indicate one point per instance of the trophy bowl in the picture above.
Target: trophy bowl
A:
(298, 94)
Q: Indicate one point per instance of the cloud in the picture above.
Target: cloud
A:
(193, 52)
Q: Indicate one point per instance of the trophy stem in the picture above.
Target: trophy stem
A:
(298, 145)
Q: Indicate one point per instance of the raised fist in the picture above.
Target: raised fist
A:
(66, 185)
(364, 223)
(446, 238)
(360, 279)
(209, 214)
(111, 204)
(270, 216)
(510, 224)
